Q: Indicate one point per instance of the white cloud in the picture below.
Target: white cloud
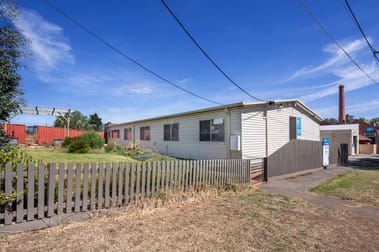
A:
(48, 45)
(136, 88)
(368, 106)
(184, 81)
(351, 77)
(339, 66)
(363, 109)
(337, 59)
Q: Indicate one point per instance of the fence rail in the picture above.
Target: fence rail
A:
(44, 191)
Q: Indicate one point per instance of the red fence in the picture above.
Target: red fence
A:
(15, 131)
(46, 135)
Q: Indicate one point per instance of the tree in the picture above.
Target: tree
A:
(349, 119)
(77, 121)
(331, 120)
(95, 122)
(375, 121)
(12, 48)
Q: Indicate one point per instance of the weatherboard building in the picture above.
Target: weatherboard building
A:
(240, 130)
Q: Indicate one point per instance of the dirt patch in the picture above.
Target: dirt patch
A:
(248, 219)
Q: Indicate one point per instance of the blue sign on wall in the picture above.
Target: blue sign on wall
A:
(370, 130)
(325, 141)
(298, 126)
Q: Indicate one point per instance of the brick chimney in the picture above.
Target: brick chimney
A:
(342, 112)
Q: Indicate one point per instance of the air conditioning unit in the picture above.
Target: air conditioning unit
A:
(235, 142)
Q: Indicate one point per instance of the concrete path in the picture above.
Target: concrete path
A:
(297, 187)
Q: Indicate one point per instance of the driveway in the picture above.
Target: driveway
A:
(364, 160)
(298, 186)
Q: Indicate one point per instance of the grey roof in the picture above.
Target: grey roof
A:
(227, 106)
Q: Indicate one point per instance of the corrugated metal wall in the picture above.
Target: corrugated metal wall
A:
(46, 134)
(15, 131)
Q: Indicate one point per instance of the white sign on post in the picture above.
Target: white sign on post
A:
(325, 152)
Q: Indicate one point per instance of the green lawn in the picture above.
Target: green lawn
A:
(49, 155)
(360, 185)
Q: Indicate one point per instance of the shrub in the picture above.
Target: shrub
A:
(147, 155)
(116, 148)
(109, 147)
(4, 198)
(94, 140)
(78, 145)
(14, 155)
(67, 142)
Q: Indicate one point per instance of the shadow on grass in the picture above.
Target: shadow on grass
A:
(369, 163)
(368, 168)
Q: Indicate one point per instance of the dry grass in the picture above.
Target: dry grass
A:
(247, 219)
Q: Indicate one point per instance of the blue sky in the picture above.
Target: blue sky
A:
(273, 49)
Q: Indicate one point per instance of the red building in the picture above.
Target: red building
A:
(369, 131)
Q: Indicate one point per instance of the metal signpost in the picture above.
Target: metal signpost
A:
(325, 152)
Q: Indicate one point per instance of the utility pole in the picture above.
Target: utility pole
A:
(265, 162)
(266, 130)
(65, 120)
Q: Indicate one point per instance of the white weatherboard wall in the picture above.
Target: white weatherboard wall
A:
(235, 130)
(189, 144)
(253, 133)
(247, 122)
(278, 127)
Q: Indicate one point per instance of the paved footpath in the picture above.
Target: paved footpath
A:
(297, 187)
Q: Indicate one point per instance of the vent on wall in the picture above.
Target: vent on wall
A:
(235, 142)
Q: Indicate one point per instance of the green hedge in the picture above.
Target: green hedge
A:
(82, 144)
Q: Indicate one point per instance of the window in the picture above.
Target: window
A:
(295, 127)
(212, 130)
(175, 132)
(115, 133)
(128, 134)
(145, 133)
(205, 130)
(167, 132)
(171, 132)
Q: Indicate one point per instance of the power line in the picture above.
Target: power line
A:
(93, 34)
(374, 52)
(205, 53)
(334, 40)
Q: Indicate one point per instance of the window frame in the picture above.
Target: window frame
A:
(209, 135)
(205, 134)
(169, 136)
(142, 135)
(115, 131)
(126, 133)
